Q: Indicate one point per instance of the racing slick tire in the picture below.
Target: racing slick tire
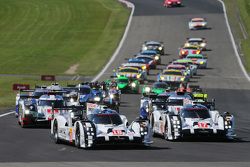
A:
(20, 122)
(55, 133)
(77, 137)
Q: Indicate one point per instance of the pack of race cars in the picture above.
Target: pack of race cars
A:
(87, 114)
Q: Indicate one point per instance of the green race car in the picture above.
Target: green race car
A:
(157, 88)
(127, 85)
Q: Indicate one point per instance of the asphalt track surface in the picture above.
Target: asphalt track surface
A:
(223, 80)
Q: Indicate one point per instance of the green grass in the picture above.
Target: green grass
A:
(49, 36)
(241, 8)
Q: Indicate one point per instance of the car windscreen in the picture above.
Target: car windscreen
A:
(195, 113)
(161, 85)
(105, 119)
(172, 73)
(194, 57)
(38, 94)
(198, 20)
(175, 102)
(153, 44)
(129, 70)
(178, 68)
(122, 80)
(149, 53)
(136, 61)
(146, 59)
(85, 91)
(190, 47)
(195, 41)
(56, 103)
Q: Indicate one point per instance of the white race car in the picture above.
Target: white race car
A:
(197, 23)
(193, 121)
(99, 126)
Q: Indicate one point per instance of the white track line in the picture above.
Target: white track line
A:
(233, 42)
(8, 113)
(129, 5)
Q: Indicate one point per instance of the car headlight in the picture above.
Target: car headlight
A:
(162, 78)
(160, 48)
(144, 67)
(187, 44)
(201, 62)
(203, 24)
(97, 99)
(138, 76)
(72, 115)
(145, 48)
(111, 96)
(182, 79)
(203, 44)
(133, 85)
(147, 89)
(26, 111)
(72, 100)
(157, 57)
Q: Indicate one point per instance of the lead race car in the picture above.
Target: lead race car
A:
(98, 125)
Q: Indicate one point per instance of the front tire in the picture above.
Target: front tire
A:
(77, 137)
(55, 133)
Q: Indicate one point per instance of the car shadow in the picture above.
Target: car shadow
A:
(127, 147)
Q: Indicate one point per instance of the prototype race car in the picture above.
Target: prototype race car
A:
(197, 23)
(99, 125)
(198, 59)
(172, 3)
(193, 121)
(191, 49)
(199, 42)
(153, 45)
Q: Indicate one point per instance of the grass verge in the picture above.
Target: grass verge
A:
(50, 36)
(239, 10)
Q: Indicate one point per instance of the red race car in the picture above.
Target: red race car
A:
(171, 3)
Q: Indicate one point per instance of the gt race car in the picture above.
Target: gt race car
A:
(198, 59)
(131, 73)
(153, 45)
(199, 42)
(172, 76)
(197, 23)
(172, 3)
(157, 88)
(125, 84)
(191, 49)
(152, 53)
(98, 125)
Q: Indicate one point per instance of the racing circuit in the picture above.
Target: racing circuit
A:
(223, 80)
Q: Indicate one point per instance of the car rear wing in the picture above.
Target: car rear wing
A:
(25, 96)
(209, 105)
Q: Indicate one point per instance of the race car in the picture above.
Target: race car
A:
(98, 125)
(153, 45)
(172, 76)
(124, 84)
(112, 99)
(137, 63)
(198, 59)
(157, 88)
(183, 68)
(149, 60)
(154, 54)
(27, 115)
(172, 3)
(197, 23)
(131, 73)
(189, 64)
(44, 107)
(199, 42)
(192, 121)
(191, 49)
